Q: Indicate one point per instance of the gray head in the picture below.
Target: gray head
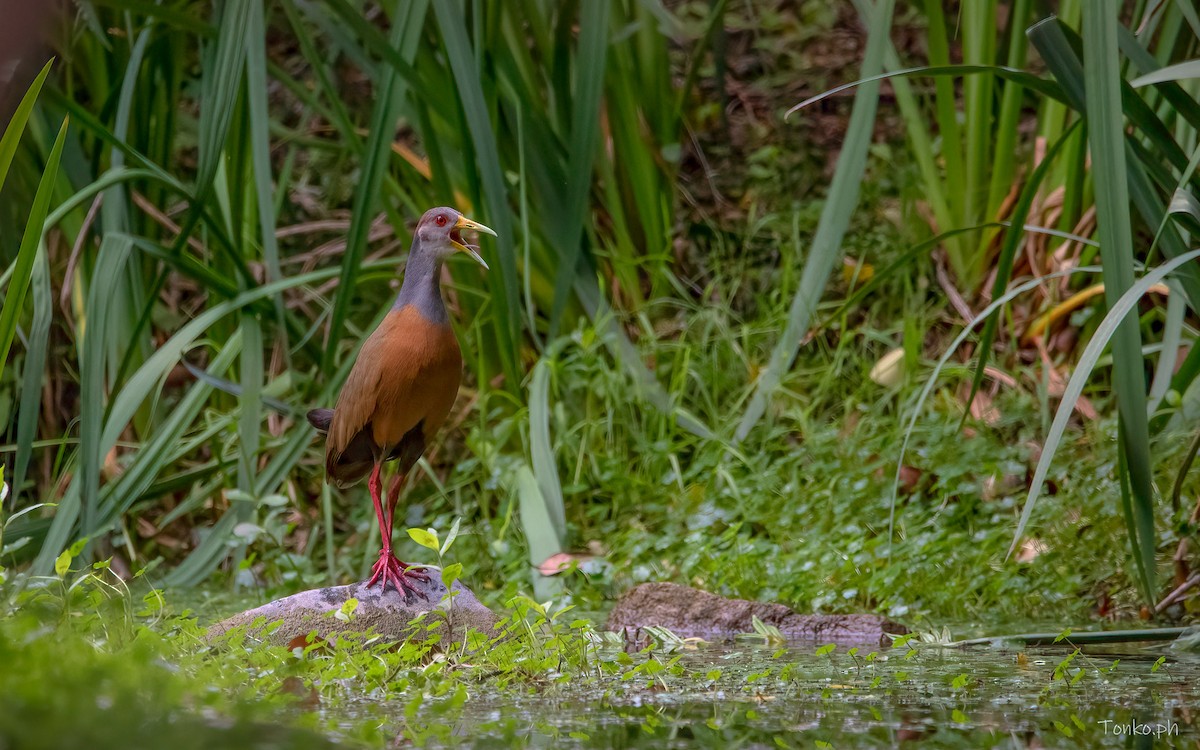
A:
(439, 232)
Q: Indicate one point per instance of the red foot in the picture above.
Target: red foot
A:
(390, 570)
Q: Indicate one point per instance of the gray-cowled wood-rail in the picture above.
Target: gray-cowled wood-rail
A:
(402, 385)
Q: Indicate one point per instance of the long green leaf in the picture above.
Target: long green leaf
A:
(932, 379)
(405, 34)
(946, 101)
(1046, 88)
(978, 47)
(495, 194)
(110, 266)
(16, 124)
(1083, 370)
(142, 384)
(260, 143)
(33, 372)
(220, 84)
(835, 218)
(155, 455)
(1008, 254)
(541, 449)
(1176, 72)
(585, 140)
(1056, 44)
(1106, 128)
(250, 404)
(18, 285)
(1141, 58)
(1007, 125)
(539, 530)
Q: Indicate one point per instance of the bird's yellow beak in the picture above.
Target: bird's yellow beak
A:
(457, 240)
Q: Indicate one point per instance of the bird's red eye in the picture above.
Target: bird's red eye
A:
(441, 220)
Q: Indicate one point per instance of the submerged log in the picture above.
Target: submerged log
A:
(689, 612)
(288, 621)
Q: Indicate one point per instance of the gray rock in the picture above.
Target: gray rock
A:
(386, 613)
(689, 612)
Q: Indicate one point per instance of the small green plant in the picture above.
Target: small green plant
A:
(428, 538)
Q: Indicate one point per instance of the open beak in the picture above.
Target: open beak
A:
(457, 240)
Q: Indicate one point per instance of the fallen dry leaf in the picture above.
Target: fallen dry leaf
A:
(997, 486)
(889, 370)
(561, 562)
(1030, 549)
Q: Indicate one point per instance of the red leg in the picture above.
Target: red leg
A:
(375, 485)
(388, 568)
(392, 499)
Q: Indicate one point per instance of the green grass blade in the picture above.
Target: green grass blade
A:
(1053, 45)
(33, 373)
(1047, 88)
(1184, 103)
(932, 380)
(585, 140)
(142, 384)
(220, 85)
(539, 530)
(1087, 361)
(1066, 44)
(978, 47)
(16, 124)
(1169, 354)
(1007, 126)
(405, 35)
(1106, 128)
(1188, 11)
(507, 302)
(541, 448)
(1056, 44)
(113, 211)
(835, 218)
(260, 144)
(946, 101)
(1176, 72)
(156, 455)
(1008, 255)
(18, 285)
(126, 296)
(250, 404)
(110, 265)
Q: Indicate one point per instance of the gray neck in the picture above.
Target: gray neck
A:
(422, 287)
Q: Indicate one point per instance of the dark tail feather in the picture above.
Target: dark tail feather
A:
(352, 464)
(345, 475)
(320, 418)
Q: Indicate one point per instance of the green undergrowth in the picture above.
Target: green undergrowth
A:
(118, 668)
(90, 662)
(800, 513)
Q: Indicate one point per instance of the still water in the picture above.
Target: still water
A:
(757, 696)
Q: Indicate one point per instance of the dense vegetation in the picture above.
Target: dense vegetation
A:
(920, 346)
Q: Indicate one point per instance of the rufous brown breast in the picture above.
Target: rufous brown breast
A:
(406, 376)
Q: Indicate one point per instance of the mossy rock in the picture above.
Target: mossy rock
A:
(386, 613)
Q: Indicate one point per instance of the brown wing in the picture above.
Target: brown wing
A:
(405, 376)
